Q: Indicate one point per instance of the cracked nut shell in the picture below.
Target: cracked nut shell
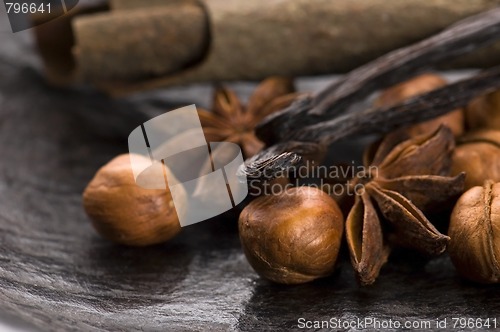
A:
(293, 237)
(125, 213)
(474, 230)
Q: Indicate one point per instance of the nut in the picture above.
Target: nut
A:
(125, 213)
(484, 112)
(478, 155)
(474, 230)
(292, 237)
(417, 86)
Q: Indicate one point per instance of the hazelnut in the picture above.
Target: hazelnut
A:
(292, 237)
(417, 86)
(126, 213)
(474, 230)
(477, 154)
(484, 112)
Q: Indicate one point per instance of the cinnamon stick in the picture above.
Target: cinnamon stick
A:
(249, 40)
(140, 43)
(135, 4)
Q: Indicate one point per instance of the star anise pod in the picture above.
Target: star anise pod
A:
(231, 121)
(399, 184)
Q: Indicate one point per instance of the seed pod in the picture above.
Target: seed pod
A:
(474, 230)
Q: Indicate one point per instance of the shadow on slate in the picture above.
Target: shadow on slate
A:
(57, 274)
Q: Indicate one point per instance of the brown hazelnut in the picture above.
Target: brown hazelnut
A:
(474, 230)
(126, 213)
(417, 86)
(292, 237)
(484, 112)
(478, 155)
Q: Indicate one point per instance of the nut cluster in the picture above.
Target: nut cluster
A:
(475, 222)
(295, 236)
(473, 247)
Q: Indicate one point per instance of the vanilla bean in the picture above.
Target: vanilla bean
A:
(394, 67)
(377, 120)
(417, 109)
(275, 160)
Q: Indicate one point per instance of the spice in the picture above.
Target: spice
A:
(415, 87)
(474, 231)
(324, 118)
(125, 213)
(182, 42)
(292, 237)
(231, 121)
(478, 155)
(409, 179)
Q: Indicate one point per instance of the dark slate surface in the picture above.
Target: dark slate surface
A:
(57, 274)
